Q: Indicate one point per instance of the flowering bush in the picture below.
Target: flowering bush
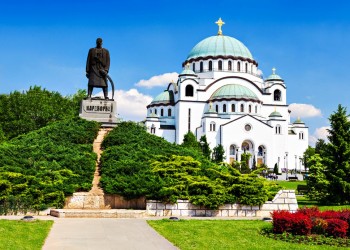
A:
(336, 228)
(310, 220)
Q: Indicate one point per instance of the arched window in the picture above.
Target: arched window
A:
(232, 150)
(155, 111)
(246, 67)
(153, 129)
(224, 108)
(212, 126)
(277, 95)
(278, 129)
(220, 65)
(194, 67)
(250, 108)
(229, 65)
(161, 112)
(233, 108)
(201, 66)
(251, 69)
(260, 151)
(189, 90)
(242, 108)
(256, 109)
(217, 108)
(238, 66)
(150, 111)
(301, 136)
(169, 112)
(210, 65)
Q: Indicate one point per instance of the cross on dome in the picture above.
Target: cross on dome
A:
(274, 70)
(220, 23)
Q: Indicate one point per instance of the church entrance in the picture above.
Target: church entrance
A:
(248, 147)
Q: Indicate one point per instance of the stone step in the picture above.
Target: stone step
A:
(98, 213)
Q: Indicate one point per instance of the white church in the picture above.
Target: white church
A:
(221, 94)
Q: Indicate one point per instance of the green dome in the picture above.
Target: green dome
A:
(235, 91)
(219, 46)
(275, 114)
(274, 76)
(187, 72)
(165, 97)
(298, 121)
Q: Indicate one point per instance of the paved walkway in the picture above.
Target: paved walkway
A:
(101, 234)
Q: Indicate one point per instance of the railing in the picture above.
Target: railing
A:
(226, 70)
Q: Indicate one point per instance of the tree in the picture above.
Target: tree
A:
(310, 151)
(337, 157)
(218, 154)
(275, 169)
(190, 141)
(317, 181)
(205, 146)
(245, 163)
(320, 147)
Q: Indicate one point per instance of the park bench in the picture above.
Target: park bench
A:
(302, 189)
(293, 178)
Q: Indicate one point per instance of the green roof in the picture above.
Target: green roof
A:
(234, 91)
(275, 114)
(298, 121)
(220, 46)
(165, 97)
(187, 72)
(274, 76)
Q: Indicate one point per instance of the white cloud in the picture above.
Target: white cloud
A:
(320, 133)
(304, 110)
(158, 81)
(131, 104)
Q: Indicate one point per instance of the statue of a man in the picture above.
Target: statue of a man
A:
(97, 67)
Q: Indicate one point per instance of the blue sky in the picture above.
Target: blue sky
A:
(46, 43)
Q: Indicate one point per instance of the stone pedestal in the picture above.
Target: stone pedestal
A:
(99, 110)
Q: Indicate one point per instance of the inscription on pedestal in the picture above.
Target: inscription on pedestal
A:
(103, 111)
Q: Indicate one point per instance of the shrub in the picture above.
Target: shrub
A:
(300, 224)
(282, 221)
(319, 226)
(336, 228)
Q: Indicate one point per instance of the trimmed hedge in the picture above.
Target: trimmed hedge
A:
(39, 169)
(310, 220)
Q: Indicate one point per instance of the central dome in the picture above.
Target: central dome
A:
(220, 46)
(234, 91)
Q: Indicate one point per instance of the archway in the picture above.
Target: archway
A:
(261, 158)
(248, 147)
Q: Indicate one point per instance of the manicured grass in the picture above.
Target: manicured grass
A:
(304, 202)
(291, 185)
(23, 235)
(222, 234)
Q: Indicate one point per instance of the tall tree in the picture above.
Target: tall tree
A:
(218, 154)
(205, 146)
(190, 141)
(337, 156)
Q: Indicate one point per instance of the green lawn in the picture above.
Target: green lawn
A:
(303, 201)
(222, 234)
(291, 185)
(16, 234)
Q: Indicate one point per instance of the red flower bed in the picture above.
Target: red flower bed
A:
(310, 220)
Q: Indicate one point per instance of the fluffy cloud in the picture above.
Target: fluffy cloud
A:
(304, 110)
(131, 104)
(158, 81)
(320, 133)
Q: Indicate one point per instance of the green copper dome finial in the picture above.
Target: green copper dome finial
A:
(219, 23)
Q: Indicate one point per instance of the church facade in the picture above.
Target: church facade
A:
(221, 94)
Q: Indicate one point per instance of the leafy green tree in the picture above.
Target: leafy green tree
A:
(190, 141)
(205, 146)
(245, 163)
(218, 154)
(310, 151)
(275, 169)
(317, 180)
(2, 135)
(337, 157)
(320, 147)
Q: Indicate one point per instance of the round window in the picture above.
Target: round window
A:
(247, 127)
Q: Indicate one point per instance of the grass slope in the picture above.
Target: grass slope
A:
(23, 235)
(222, 234)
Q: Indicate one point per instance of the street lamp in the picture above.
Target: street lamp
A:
(237, 153)
(278, 163)
(286, 157)
(295, 170)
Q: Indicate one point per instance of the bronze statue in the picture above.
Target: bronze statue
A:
(97, 67)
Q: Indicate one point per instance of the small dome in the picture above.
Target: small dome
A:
(234, 91)
(187, 71)
(164, 98)
(275, 114)
(273, 76)
(298, 121)
(220, 46)
(211, 110)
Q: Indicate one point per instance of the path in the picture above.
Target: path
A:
(104, 234)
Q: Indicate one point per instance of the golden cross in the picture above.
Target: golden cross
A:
(273, 71)
(220, 23)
